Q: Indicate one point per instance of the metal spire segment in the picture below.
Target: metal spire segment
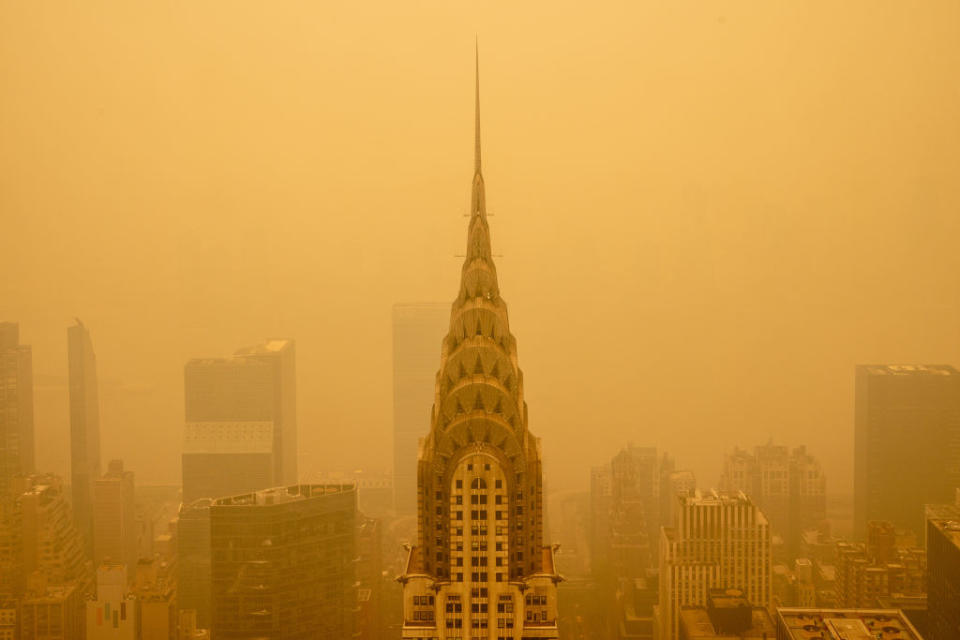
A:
(476, 140)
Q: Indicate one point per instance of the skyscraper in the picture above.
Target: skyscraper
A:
(241, 421)
(84, 428)
(943, 579)
(788, 486)
(114, 518)
(719, 540)
(480, 569)
(418, 330)
(193, 560)
(906, 443)
(280, 355)
(284, 563)
(16, 407)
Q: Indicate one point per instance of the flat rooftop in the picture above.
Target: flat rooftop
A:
(844, 624)
(282, 495)
(272, 345)
(950, 529)
(696, 621)
(910, 369)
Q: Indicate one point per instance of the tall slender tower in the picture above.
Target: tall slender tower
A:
(480, 569)
(16, 407)
(84, 428)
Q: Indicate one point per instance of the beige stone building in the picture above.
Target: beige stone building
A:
(718, 541)
(480, 568)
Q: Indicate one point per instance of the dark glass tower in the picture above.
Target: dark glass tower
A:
(906, 443)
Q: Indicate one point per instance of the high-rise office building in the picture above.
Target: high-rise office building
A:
(788, 486)
(906, 417)
(16, 407)
(193, 560)
(53, 612)
(156, 594)
(719, 541)
(280, 355)
(418, 330)
(114, 518)
(284, 563)
(480, 568)
(601, 502)
(113, 615)
(52, 546)
(84, 428)
(225, 458)
(943, 579)
(241, 421)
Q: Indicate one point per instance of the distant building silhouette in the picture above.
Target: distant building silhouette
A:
(418, 330)
(84, 428)
(788, 486)
(241, 429)
(284, 563)
(114, 519)
(16, 407)
(52, 546)
(906, 452)
(718, 541)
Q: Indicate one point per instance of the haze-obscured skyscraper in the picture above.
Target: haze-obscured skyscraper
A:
(114, 518)
(284, 563)
(906, 443)
(480, 568)
(84, 428)
(943, 579)
(241, 421)
(193, 560)
(51, 544)
(16, 406)
(418, 330)
(788, 486)
(719, 541)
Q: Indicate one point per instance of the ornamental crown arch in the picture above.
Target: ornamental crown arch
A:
(471, 434)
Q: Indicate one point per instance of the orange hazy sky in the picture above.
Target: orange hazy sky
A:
(709, 212)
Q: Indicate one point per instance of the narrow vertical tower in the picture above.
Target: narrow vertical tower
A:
(480, 568)
(84, 428)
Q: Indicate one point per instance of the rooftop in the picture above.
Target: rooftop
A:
(273, 345)
(282, 495)
(949, 528)
(910, 369)
(845, 624)
(698, 626)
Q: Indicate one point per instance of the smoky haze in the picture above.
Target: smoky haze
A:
(707, 213)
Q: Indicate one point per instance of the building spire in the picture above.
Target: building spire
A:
(476, 140)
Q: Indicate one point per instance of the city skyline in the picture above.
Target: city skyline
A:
(725, 402)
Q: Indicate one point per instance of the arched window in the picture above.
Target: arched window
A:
(478, 483)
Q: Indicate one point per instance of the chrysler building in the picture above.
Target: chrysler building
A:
(480, 568)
